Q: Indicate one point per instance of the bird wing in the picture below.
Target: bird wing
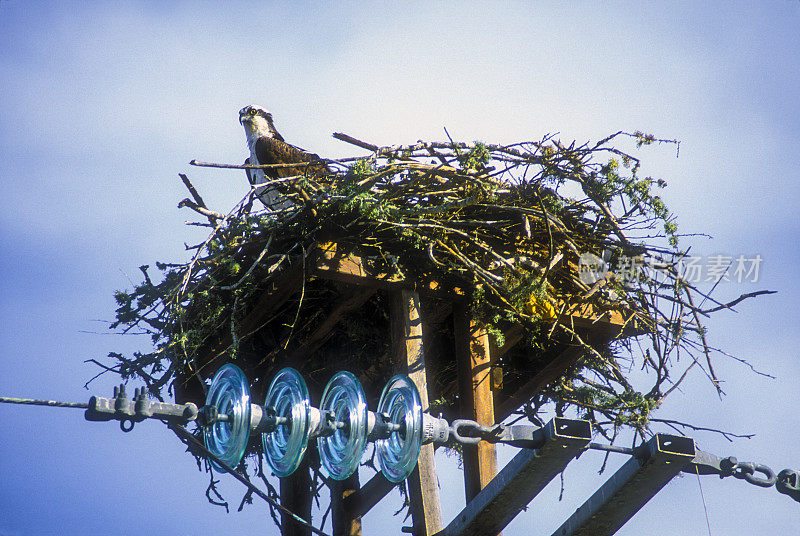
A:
(249, 172)
(275, 151)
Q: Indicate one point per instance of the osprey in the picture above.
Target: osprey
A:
(267, 146)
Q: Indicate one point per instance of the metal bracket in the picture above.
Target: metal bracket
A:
(523, 477)
(130, 411)
(636, 482)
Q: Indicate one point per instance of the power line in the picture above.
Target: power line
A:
(39, 402)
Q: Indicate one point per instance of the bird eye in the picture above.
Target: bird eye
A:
(252, 111)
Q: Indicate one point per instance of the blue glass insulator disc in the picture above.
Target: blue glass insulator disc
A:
(344, 400)
(285, 446)
(230, 395)
(398, 453)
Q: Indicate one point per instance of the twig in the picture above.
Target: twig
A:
(743, 297)
(353, 141)
(196, 196)
(706, 347)
(726, 435)
(252, 267)
(210, 214)
(188, 275)
(212, 488)
(249, 166)
(192, 442)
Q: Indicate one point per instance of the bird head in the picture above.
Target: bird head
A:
(256, 120)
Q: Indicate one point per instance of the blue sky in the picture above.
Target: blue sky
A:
(102, 105)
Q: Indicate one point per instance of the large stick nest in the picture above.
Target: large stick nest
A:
(500, 228)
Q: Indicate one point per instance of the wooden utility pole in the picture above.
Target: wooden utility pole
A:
(297, 495)
(473, 357)
(345, 515)
(423, 485)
